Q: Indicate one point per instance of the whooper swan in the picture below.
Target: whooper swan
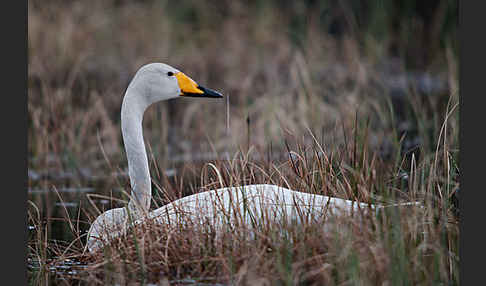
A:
(157, 82)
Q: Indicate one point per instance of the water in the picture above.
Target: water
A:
(55, 198)
(68, 271)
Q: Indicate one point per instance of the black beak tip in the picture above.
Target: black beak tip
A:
(207, 93)
(210, 93)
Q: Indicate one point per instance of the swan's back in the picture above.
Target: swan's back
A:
(253, 204)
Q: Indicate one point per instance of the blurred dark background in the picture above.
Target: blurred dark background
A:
(285, 65)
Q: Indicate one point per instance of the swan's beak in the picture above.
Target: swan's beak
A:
(190, 88)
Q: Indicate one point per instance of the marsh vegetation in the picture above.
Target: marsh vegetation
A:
(330, 97)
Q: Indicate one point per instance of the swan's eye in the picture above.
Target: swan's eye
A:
(170, 73)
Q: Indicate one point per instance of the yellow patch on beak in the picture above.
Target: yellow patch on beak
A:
(186, 84)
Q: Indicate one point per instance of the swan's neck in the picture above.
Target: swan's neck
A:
(132, 112)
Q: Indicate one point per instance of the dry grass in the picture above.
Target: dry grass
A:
(310, 113)
(410, 245)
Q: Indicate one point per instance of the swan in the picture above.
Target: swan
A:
(248, 204)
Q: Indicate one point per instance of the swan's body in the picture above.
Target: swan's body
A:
(247, 204)
(250, 205)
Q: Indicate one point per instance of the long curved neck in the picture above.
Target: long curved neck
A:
(132, 112)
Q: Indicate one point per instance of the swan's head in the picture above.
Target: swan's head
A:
(158, 81)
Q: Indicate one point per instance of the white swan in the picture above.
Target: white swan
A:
(248, 204)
